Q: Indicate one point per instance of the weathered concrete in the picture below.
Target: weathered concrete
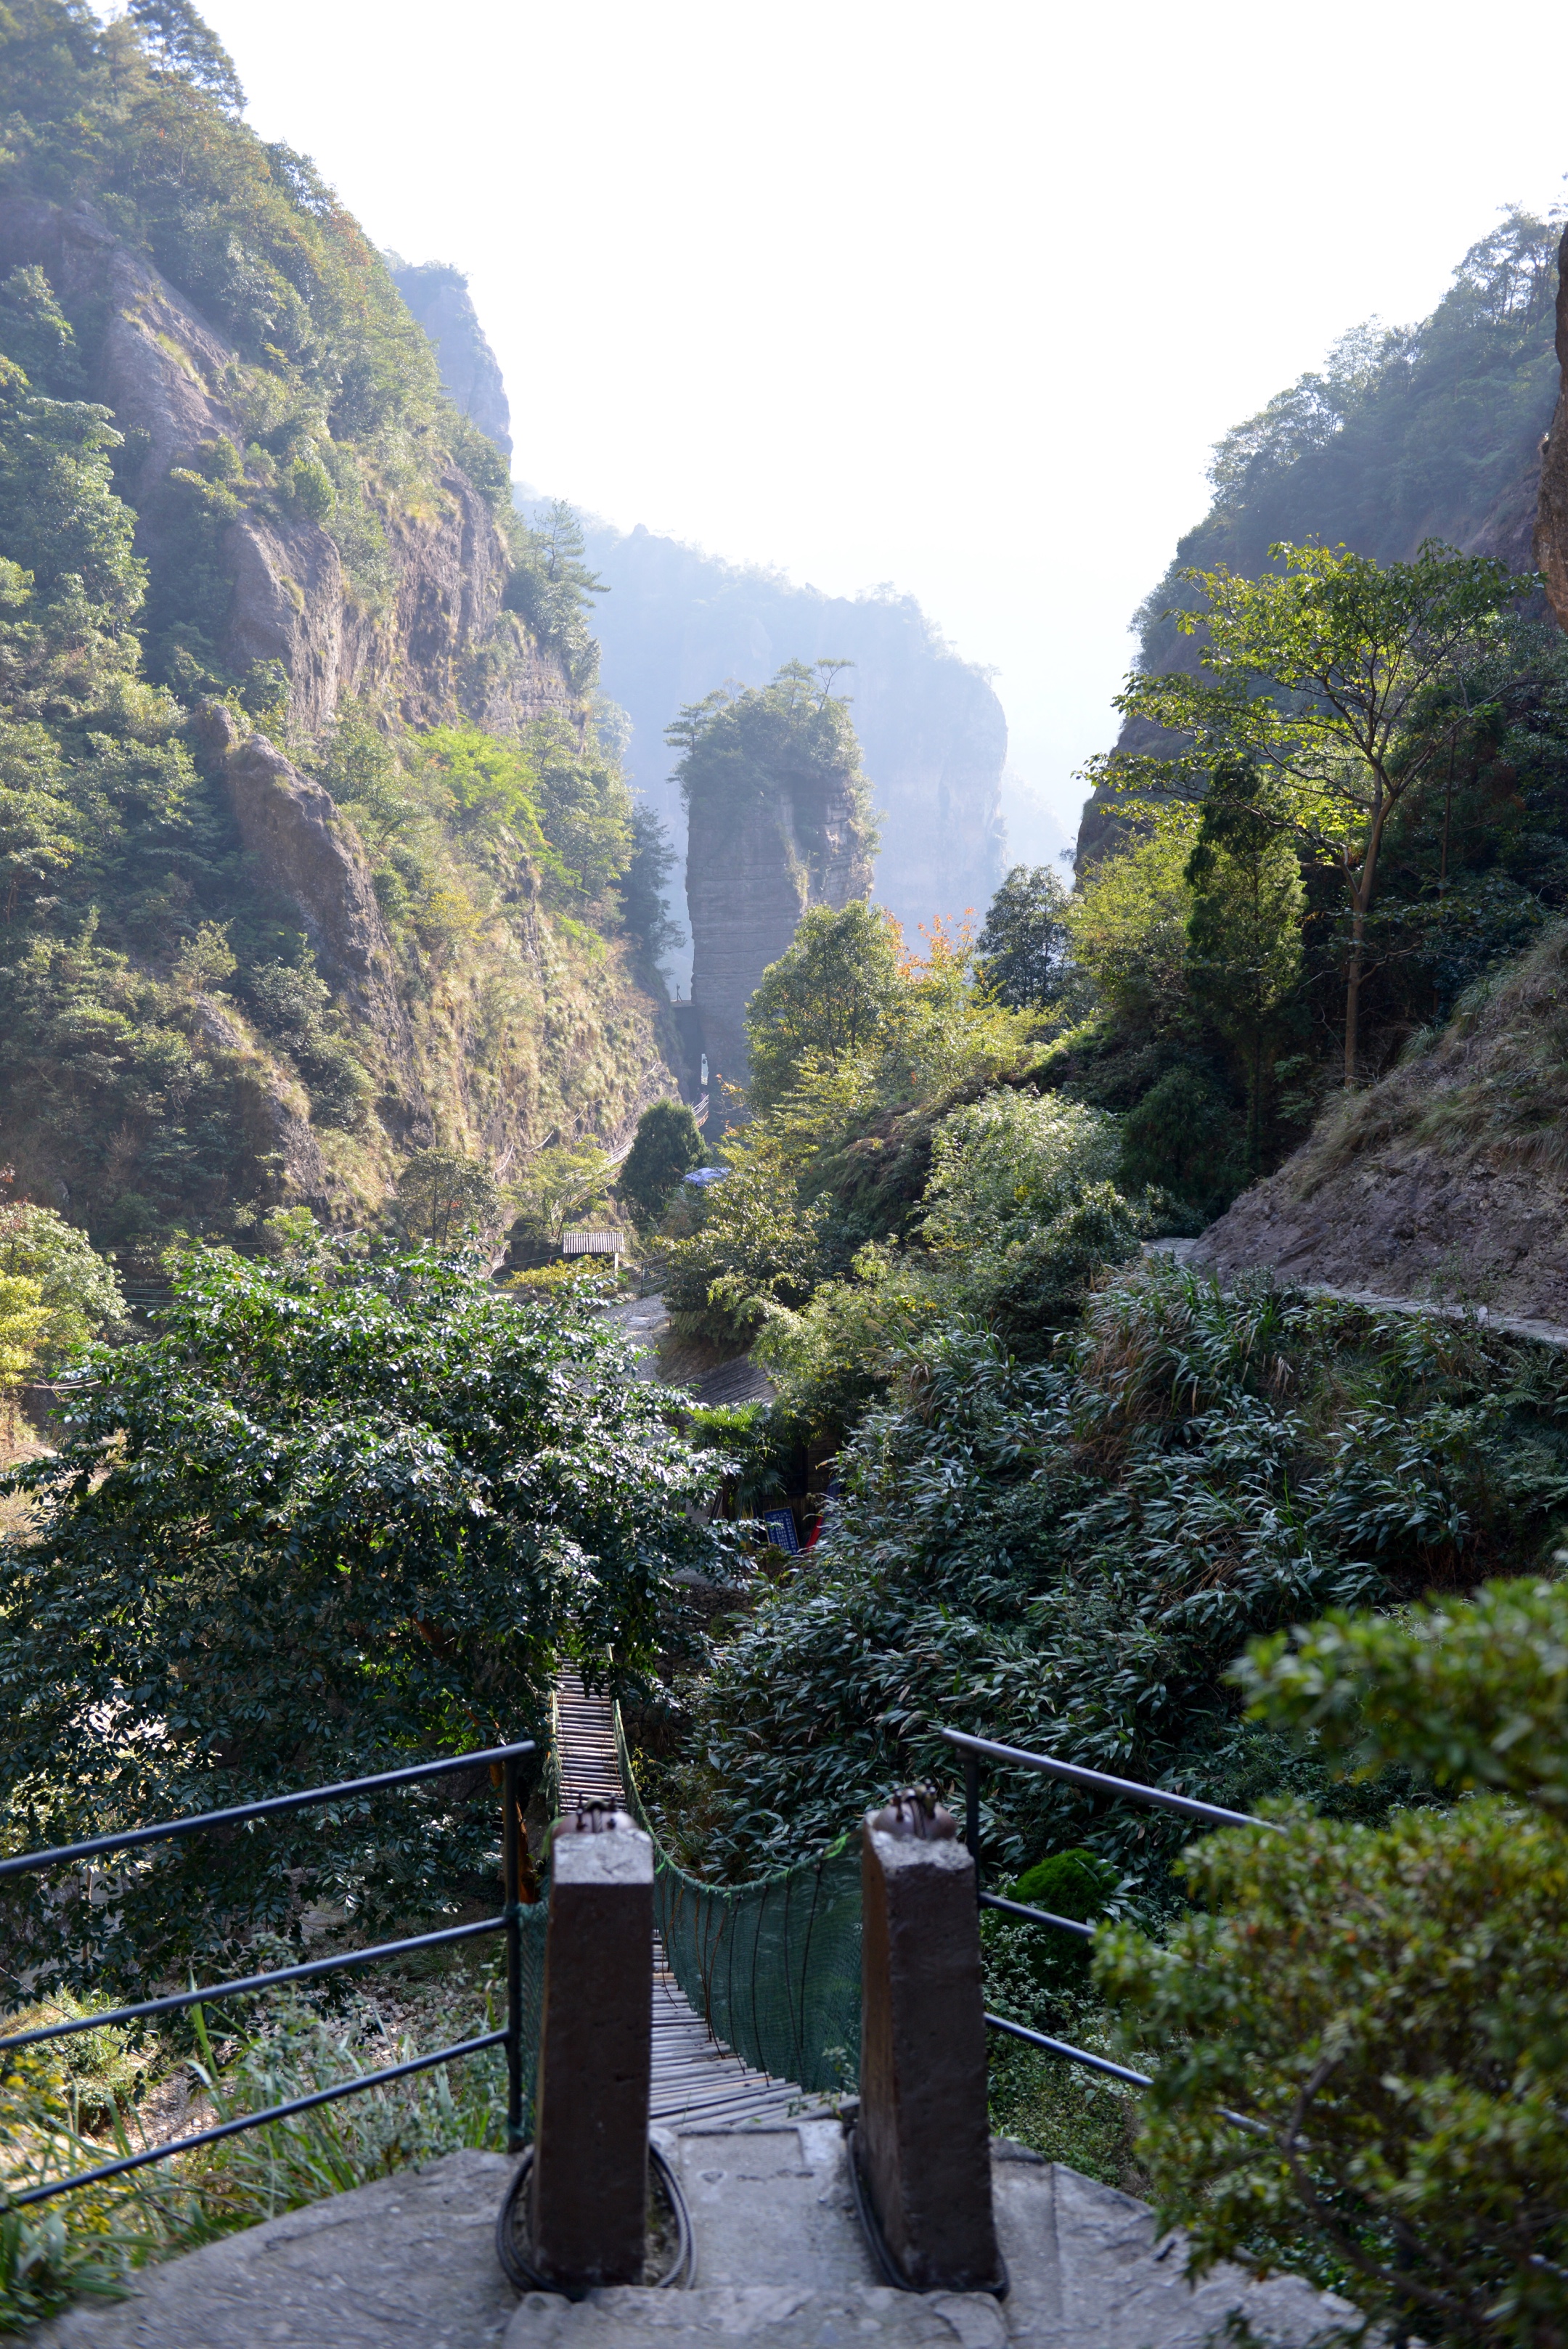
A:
(596, 2056)
(408, 2260)
(410, 2263)
(923, 2126)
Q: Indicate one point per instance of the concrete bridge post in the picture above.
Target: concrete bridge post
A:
(922, 2136)
(596, 2052)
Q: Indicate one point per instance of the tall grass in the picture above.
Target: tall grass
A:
(89, 2243)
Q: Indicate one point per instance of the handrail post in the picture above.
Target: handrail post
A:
(510, 1860)
(922, 2138)
(589, 2188)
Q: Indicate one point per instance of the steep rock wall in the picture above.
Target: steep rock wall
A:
(470, 371)
(932, 733)
(438, 646)
(750, 874)
(1551, 543)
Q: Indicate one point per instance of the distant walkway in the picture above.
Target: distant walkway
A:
(695, 2080)
(1514, 1325)
(645, 1320)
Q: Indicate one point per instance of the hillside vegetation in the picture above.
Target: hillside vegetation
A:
(238, 516)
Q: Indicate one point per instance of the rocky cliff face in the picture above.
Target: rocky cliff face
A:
(750, 874)
(434, 642)
(471, 373)
(1432, 431)
(1550, 538)
(932, 733)
(1447, 1180)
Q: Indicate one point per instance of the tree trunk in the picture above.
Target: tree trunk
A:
(1353, 994)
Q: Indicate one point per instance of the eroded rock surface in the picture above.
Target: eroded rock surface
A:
(440, 645)
(1551, 516)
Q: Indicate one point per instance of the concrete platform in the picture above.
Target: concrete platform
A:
(409, 2263)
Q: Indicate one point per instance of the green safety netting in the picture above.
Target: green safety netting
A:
(773, 1967)
(534, 1921)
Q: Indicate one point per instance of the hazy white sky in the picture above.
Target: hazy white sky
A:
(953, 298)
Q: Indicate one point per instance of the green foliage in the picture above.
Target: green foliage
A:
(1073, 1883)
(645, 887)
(60, 517)
(182, 44)
(585, 808)
(1386, 2002)
(76, 1290)
(23, 1319)
(755, 1250)
(1329, 691)
(789, 745)
(555, 589)
(1472, 1695)
(1023, 950)
(568, 1179)
(668, 1146)
(1069, 1554)
(294, 1011)
(828, 995)
(1243, 933)
(35, 333)
(1012, 1158)
(1185, 1138)
(379, 1502)
(1129, 925)
(445, 1198)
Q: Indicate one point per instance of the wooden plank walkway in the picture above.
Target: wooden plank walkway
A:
(695, 2080)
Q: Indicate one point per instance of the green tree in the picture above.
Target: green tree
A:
(59, 516)
(339, 1514)
(1327, 680)
(1384, 2004)
(563, 1180)
(828, 995)
(1023, 950)
(1244, 930)
(645, 887)
(180, 39)
(37, 334)
(77, 1290)
(1385, 2001)
(443, 1197)
(668, 1144)
(23, 1319)
(555, 589)
(1129, 925)
(1473, 1695)
(754, 1251)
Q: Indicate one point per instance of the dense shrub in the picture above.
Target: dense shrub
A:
(1070, 1554)
(340, 1513)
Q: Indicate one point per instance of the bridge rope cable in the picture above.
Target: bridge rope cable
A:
(773, 1966)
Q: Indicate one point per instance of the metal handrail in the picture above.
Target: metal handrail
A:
(972, 1749)
(194, 1820)
(509, 1922)
(1076, 1776)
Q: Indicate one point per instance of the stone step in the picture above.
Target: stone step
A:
(780, 2263)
